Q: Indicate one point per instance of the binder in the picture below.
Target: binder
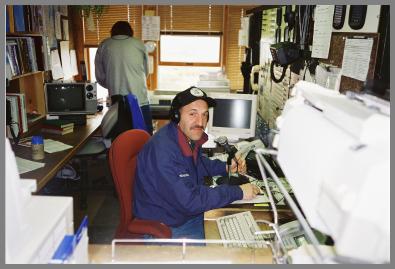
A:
(21, 108)
(19, 18)
(15, 125)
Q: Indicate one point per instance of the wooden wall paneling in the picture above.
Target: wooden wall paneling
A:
(77, 34)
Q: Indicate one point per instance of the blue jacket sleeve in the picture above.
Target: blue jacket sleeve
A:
(215, 167)
(187, 197)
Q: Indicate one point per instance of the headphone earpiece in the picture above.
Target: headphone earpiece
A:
(174, 111)
(176, 116)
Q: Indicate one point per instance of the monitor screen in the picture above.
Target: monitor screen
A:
(232, 113)
(70, 98)
(234, 116)
(66, 98)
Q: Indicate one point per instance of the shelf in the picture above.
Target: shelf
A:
(24, 34)
(27, 74)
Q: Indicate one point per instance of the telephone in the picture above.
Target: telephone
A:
(244, 147)
(293, 235)
(356, 16)
(339, 16)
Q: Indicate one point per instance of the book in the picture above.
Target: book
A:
(15, 121)
(19, 18)
(21, 111)
(59, 123)
(59, 132)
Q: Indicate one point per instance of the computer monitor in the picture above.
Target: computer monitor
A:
(234, 116)
(77, 98)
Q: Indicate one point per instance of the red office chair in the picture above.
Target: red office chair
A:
(123, 159)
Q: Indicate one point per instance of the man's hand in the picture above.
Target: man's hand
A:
(250, 191)
(238, 166)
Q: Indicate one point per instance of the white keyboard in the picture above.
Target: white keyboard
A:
(240, 226)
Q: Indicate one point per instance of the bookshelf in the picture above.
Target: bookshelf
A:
(28, 70)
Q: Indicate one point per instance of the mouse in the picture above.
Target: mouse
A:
(234, 180)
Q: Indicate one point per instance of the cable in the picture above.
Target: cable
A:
(273, 77)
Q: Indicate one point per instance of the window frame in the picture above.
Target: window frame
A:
(218, 64)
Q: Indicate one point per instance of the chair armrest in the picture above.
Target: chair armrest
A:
(154, 228)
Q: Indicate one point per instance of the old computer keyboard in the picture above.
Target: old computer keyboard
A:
(240, 226)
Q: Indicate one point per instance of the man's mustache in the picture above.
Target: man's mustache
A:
(196, 127)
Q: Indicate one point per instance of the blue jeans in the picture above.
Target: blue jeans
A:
(192, 229)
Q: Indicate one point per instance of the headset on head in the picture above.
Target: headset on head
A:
(175, 108)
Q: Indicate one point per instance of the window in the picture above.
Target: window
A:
(102, 93)
(184, 57)
(190, 49)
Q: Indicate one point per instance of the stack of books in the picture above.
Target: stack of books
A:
(60, 127)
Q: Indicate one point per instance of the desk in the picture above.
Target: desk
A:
(55, 161)
(211, 253)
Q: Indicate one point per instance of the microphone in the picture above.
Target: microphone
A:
(230, 150)
(223, 142)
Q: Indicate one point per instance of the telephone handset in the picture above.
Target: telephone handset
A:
(357, 16)
(339, 16)
(244, 147)
(293, 235)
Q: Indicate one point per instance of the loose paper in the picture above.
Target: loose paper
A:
(356, 58)
(65, 24)
(150, 28)
(25, 166)
(73, 63)
(57, 71)
(322, 31)
(51, 146)
(65, 55)
(58, 26)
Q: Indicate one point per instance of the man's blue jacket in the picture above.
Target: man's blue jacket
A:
(169, 179)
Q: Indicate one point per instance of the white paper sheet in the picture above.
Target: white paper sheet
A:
(322, 31)
(244, 31)
(25, 166)
(65, 24)
(356, 58)
(51, 146)
(258, 200)
(73, 63)
(58, 26)
(65, 55)
(150, 28)
(57, 71)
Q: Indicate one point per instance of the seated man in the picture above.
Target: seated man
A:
(169, 183)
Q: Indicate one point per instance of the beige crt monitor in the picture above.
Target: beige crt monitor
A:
(234, 116)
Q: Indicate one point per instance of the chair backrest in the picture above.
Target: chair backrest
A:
(123, 159)
(109, 120)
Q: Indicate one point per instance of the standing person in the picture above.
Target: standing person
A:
(121, 64)
(169, 184)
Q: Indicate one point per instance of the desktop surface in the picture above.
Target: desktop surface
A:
(211, 253)
(55, 161)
